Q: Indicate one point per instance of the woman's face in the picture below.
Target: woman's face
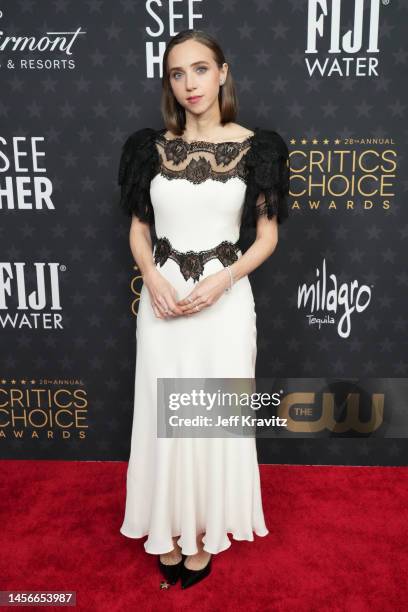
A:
(194, 72)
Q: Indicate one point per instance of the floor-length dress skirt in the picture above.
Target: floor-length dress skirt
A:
(187, 486)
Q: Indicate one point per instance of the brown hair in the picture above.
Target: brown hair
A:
(174, 114)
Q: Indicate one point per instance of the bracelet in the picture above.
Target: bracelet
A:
(231, 278)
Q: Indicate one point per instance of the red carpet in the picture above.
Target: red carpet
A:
(338, 542)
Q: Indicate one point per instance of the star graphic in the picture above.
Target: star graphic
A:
(164, 585)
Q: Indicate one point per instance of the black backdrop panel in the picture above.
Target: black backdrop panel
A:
(331, 305)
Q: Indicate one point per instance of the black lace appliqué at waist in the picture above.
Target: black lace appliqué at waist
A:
(192, 263)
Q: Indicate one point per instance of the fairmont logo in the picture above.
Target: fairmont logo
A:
(55, 48)
(325, 18)
(326, 297)
(51, 41)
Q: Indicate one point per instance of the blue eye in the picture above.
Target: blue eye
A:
(199, 68)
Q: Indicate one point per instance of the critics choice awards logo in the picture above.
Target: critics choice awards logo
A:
(343, 174)
(43, 409)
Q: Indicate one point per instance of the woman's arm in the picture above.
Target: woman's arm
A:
(262, 247)
(163, 296)
(211, 288)
(141, 245)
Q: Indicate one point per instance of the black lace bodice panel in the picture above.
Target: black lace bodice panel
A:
(261, 161)
(199, 161)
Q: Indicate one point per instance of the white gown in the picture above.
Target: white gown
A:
(186, 486)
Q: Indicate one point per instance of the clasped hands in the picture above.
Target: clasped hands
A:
(163, 295)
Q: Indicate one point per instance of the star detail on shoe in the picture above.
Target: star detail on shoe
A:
(164, 585)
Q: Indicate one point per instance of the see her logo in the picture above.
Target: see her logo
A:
(23, 184)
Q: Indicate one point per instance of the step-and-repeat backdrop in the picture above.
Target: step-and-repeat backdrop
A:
(76, 79)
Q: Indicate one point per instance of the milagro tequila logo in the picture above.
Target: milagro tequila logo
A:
(30, 298)
(326, 297)
(49, 44)
(325, 18)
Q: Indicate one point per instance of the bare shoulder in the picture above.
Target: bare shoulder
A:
(169, 135)
(236, 131)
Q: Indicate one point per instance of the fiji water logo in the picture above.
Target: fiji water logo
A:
(30, 295)
(327, 296)
(324, 22)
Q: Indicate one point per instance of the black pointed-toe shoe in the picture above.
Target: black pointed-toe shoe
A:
(190, 577)
(171, 572)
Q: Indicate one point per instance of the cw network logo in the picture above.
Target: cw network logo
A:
(307, 405)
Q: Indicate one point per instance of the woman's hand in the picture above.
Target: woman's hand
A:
(163, 295)
(207, 291)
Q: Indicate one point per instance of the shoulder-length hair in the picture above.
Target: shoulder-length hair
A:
(173, 113)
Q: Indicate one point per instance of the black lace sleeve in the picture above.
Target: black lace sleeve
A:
(268, 172)
(136, 169)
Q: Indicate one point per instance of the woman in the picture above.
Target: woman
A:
(197, 182)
